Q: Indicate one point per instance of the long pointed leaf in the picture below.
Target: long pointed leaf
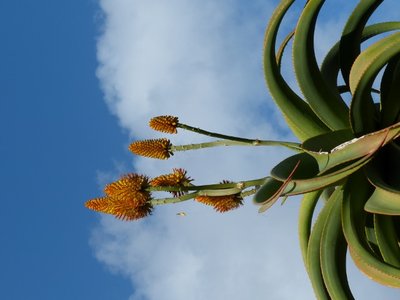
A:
(348, 150)
(333, 252)
(350, 43)
(390, 92)
(306, 212)
(271, 200)
(330, 67)
(385, 200)
(357, 191)
(324, 100)
(300, 186)
(301, 119)
(362, 74)
(314, 248)
(386, 237)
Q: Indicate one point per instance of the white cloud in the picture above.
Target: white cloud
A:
(201, 61)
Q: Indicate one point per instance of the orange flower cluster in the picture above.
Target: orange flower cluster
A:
(177, 178)
(155, 148)
(165, 124)
(126, 198)
(221, 203)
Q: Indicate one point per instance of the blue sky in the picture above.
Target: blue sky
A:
(56, 131)
(80, 79)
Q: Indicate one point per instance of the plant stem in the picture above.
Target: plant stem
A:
(220, 186)
(248, 193)
(174, 199)
(239, 141)
(193, 195)
(221, 192)
(235, 141)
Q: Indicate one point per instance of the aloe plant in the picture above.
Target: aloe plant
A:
(348, 157)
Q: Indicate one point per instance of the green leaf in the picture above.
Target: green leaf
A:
(333, 251)
(383, 173)
(268, 202)
(386, 237)
(348, 150)
(269, 188)
(331, 64)
(282, 48)
(363, 72)
(384, 200)
(307, 168)
(327, 141)
(302, 186)
(306, 212)
(323, 99)
(300, 118)
(390, 92)
(357, 190)
(350, 42)
(371, 240)
(307, 172)
(291, 186)
(313, 251)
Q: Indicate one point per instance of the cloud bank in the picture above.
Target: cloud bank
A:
(201, 61)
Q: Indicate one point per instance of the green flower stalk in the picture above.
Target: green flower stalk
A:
(169, 124)
(131, 197)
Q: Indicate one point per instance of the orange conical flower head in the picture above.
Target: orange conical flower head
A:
(177, 178)
(126, 198)
(221, 203)
(130, 188)
(155, 148)
(126, 212)
(121, 208)
(165, 124)
(103, 205)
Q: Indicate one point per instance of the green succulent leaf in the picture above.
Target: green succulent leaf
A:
(282, 47)
(300, 118)
(363, 112)
(270, 188)
(307, 168)
(330, 67)
(290, 178)
(385, 199)
(314, 250)
(386, 236)
(276, 190)
(333, 251)
(350, 149)
(384, 174)
(390, 93)
(324, 100)
(327, 141)
(301, 186)
(307, 207)
(356, 191)
(350, 42)
(371, 239)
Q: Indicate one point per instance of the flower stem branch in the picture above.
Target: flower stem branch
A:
(174, 199)
(220, 186)
(254, 142)
(235, 141)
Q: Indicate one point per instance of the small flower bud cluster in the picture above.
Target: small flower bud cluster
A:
(155, 148)
(177, 178)
(167, 124)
